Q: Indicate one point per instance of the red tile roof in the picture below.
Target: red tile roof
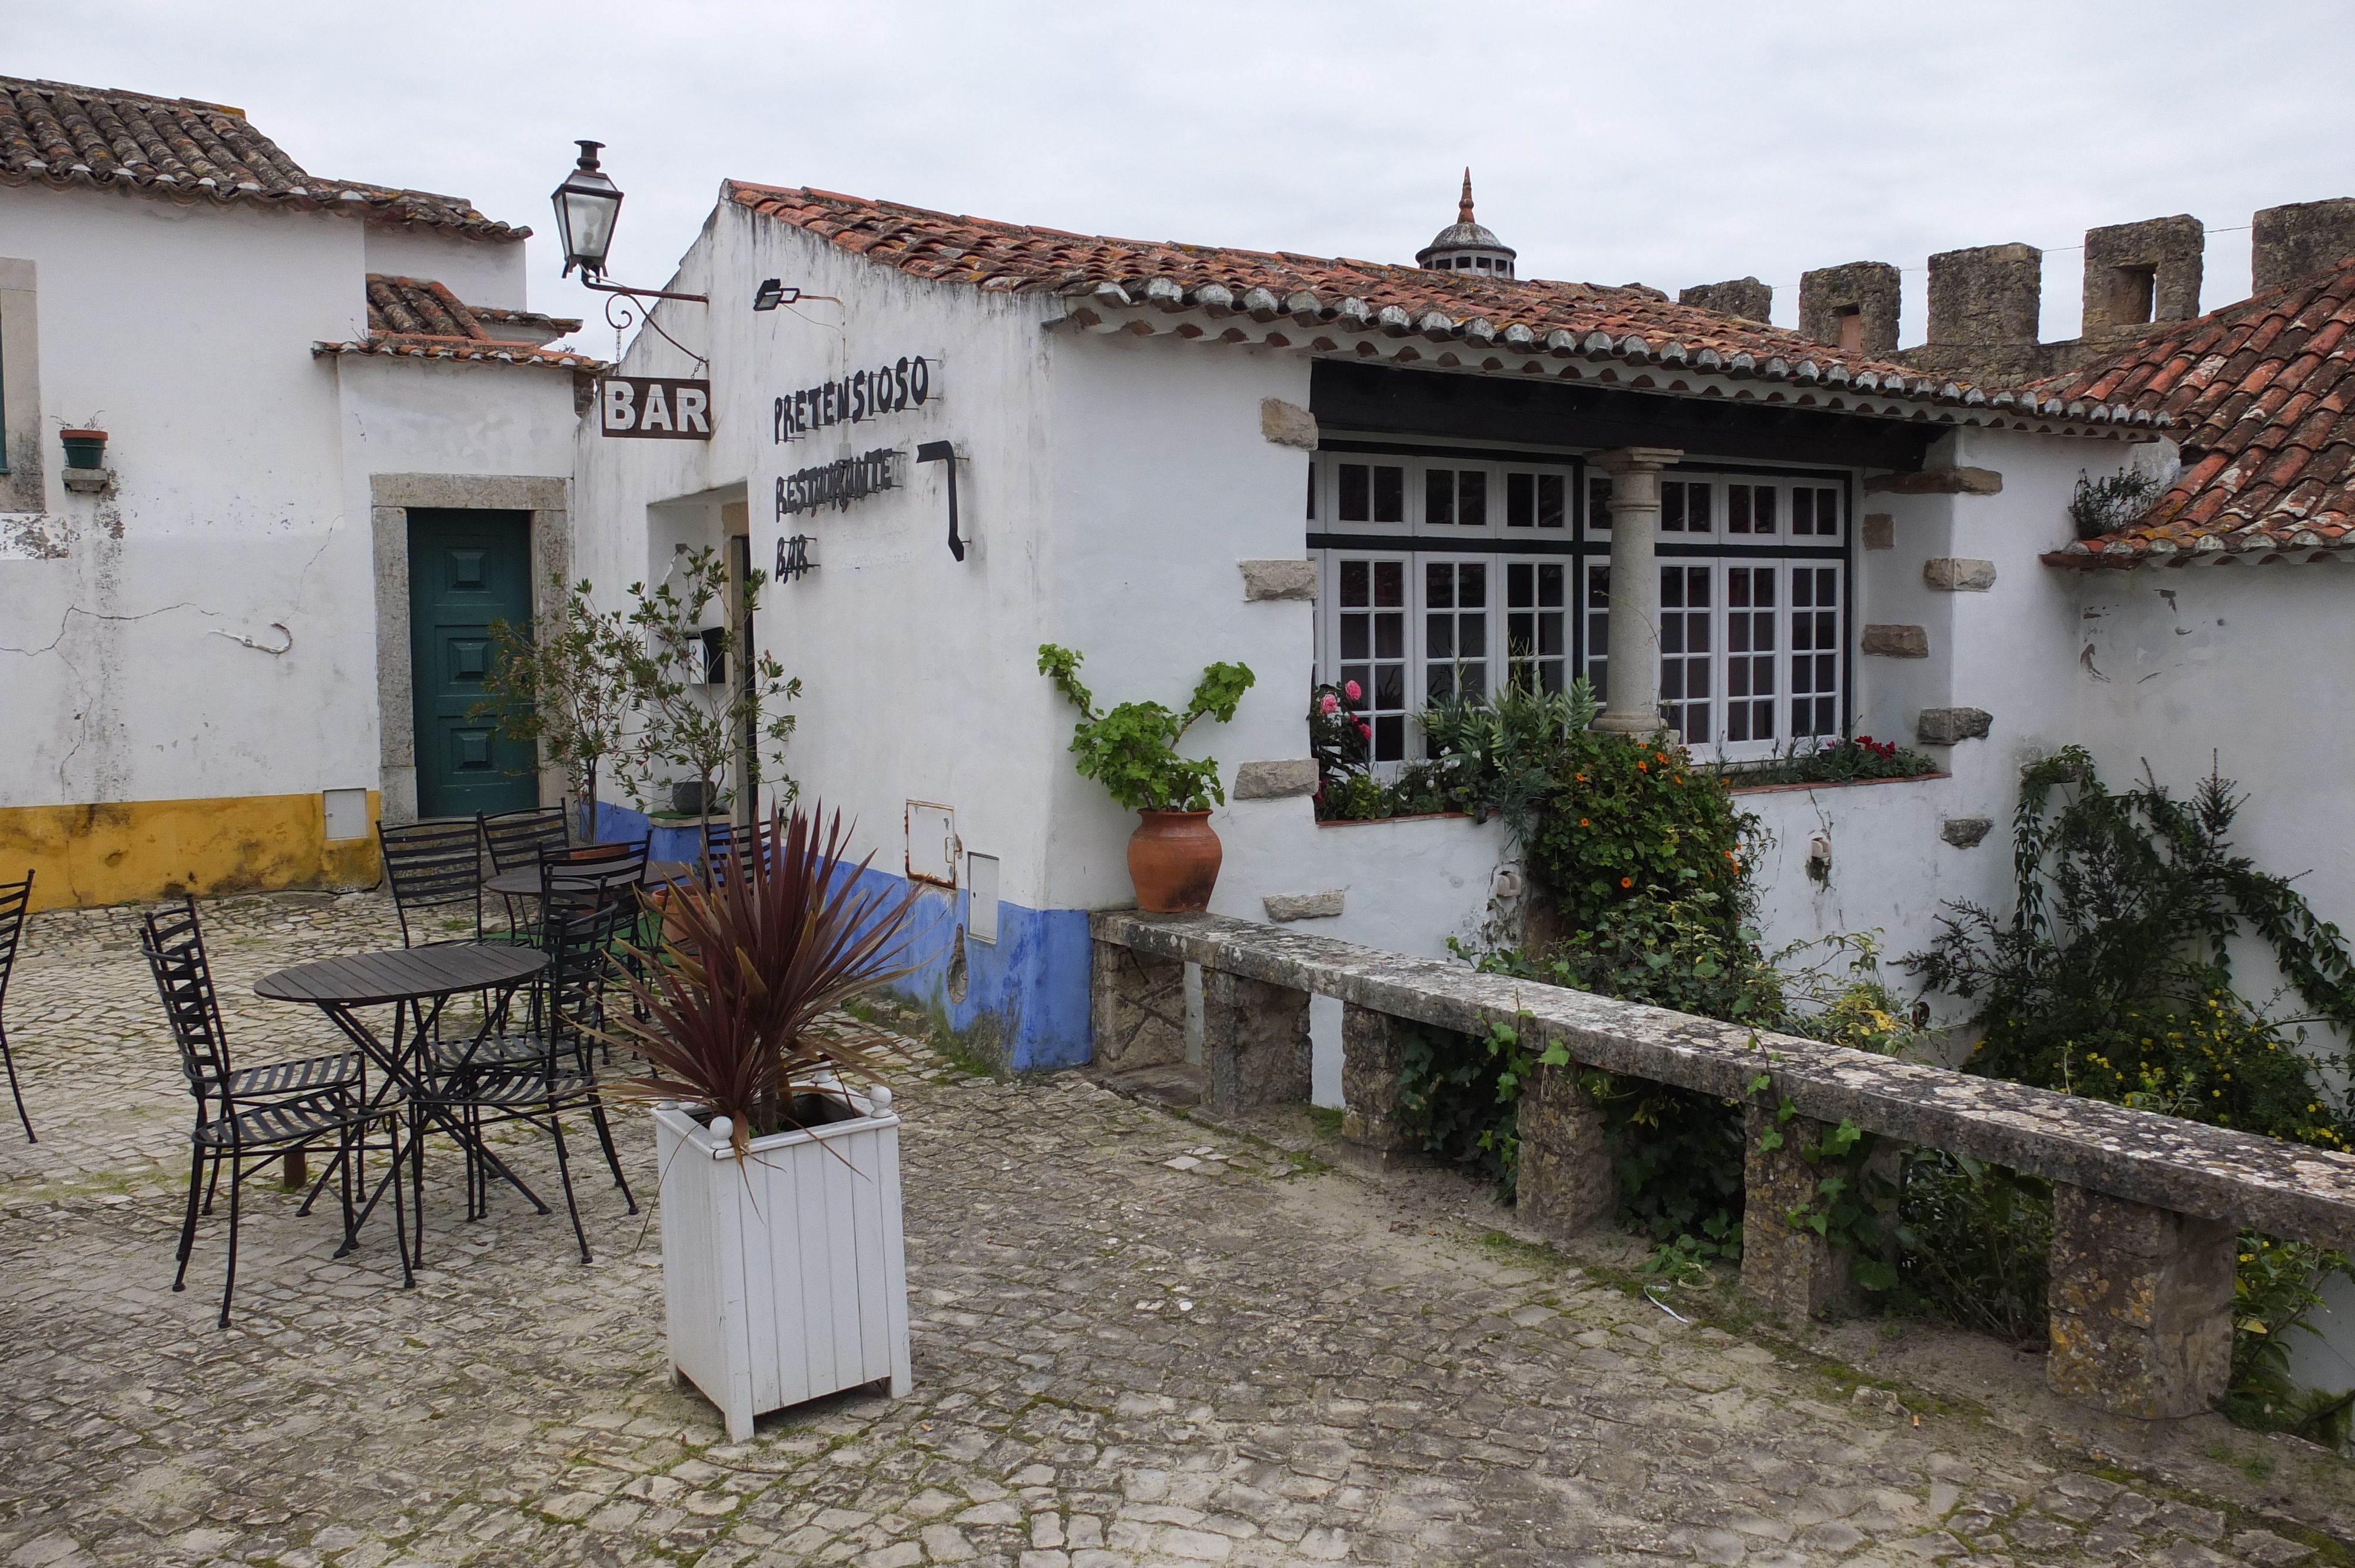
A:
(1630, 324)
(2264, 393)
(184, 150)
(412, 319)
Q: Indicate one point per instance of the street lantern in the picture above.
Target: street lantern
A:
(587, 203)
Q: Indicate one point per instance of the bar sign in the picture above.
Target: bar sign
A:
(659, 407)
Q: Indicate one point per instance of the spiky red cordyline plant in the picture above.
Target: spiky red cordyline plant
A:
(757, 955)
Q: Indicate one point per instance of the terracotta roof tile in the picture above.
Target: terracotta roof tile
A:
(2261, 391)
(184, 150)
(412, 319)
(1527, 317)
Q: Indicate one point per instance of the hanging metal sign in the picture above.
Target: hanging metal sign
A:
(836, 483)
(858, 396)
(662, 408)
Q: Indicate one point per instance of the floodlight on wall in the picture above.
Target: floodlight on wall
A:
(772, 293)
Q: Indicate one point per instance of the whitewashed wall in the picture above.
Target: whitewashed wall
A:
(186, 332)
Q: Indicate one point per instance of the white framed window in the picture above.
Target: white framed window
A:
(1432, 590)
(1439, 497)
(1365, 619)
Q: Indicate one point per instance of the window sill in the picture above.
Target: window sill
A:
(1377, 822)
(1830, 784)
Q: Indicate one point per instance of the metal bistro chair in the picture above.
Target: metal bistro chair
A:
(536, 1077)
(14, 898)
(572, 889)
(518, 840)
(434, 866)
(254, 1116)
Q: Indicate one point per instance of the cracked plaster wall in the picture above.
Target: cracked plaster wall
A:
(206, 631)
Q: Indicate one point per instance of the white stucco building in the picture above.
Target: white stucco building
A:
(1167, 456)
(310, 387)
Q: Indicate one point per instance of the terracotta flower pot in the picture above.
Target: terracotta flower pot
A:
(1173, 859)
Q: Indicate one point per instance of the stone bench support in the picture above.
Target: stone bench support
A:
(1568, 1181)
(2141, 1306)
(1373, 1054)
(1136, 1009)
(1255, 1046)
(1790, 1267)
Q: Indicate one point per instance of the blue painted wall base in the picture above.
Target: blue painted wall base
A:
(1025, 997)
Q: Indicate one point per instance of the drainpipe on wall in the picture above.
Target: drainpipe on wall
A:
(1633, 673)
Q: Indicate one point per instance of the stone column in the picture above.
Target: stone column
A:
(1634, 677)
(1254, 1041)
(1136, 1010)
(1787, 1266)
(2141, 1306)
(1371, 1057)
(1567, 1182)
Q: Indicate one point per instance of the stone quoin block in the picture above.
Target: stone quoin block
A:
(2290, 242)
(1286, 907)
(1744, 297)
(1276, 780)
(2141, 1306)
(1879, 530)
(1254, 1041)
(1373, 1053)
(1785, 1264)
(1958, 574)
(1279, 580)
(1936, 482)
(1568, 1181)
(1287, 424)
(1897, 641)
(1946, 726)
(1136, 1009)
(1964, 832)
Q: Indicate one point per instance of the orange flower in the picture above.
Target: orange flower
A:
(1581, 778)
(1643, 767)
(1626, 882)
(1581, 821)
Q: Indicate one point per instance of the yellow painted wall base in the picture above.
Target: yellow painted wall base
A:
(144, 850)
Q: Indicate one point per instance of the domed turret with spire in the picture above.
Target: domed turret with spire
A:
(1465, 247)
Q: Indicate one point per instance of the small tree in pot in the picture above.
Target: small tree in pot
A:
(782, 1241)
(1173, 856)
(563, 682)
(692, 723)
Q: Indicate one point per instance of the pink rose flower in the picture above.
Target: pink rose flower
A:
(1331, 704)
(1352, 690)
(1365, 732)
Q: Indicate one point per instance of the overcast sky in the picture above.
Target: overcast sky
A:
(1661, 142)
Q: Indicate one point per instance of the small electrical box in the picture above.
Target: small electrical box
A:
(932, 847)
(981, 897)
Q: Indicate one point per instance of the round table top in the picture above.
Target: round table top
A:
(403, 974)
(524, 881)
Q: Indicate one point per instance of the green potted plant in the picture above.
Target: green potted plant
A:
(784, 1271)
(563, 684)
(691, 724)
(1174, 856)
(85, 446)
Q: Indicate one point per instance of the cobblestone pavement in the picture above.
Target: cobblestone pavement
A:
(1137, 1341)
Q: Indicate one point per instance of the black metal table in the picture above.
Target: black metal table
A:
(524, 882)
(415, 982)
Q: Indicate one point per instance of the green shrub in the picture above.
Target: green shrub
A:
(1633, 822)
(1459, 1096)
(1838, 762)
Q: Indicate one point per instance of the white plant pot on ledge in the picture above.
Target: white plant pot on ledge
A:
(786, 1277)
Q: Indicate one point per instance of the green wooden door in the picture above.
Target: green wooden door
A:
(467, 569)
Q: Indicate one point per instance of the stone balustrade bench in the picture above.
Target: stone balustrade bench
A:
(2146, 1206)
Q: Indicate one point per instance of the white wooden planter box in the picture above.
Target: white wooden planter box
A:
(786, 1277)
